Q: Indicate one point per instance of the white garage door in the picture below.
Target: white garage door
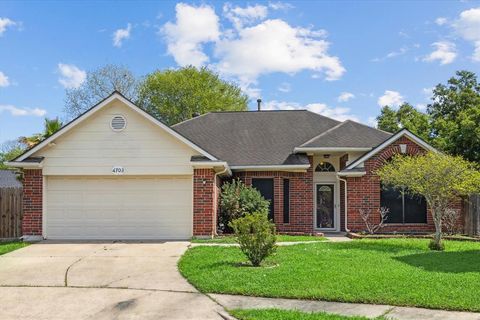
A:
(118, 208)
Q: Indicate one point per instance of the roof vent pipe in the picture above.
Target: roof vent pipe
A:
(259, 104)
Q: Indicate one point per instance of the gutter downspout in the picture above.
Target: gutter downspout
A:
(217, 197)
(345, 204)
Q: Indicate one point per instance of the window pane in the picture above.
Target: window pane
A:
(415, 209)
(286, 201)
(392, 199)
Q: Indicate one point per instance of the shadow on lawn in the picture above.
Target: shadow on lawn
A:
(450, 262)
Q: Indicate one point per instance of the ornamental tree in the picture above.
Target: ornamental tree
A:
(441, 179)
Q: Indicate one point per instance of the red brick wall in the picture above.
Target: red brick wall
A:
(32, 202)
(205, 199)
(359, 188)
(301, 197)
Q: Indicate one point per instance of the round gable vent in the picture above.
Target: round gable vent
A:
(118, 123)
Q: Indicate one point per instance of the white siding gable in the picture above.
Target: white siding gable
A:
(93, 148)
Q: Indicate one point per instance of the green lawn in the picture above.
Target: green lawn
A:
(6, 247)
(277, 314)
(280, 238)
(390, 271)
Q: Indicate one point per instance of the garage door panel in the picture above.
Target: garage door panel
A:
(119, 208)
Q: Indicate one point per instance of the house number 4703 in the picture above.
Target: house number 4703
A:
(118, 170)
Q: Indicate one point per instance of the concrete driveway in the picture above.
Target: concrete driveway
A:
(52, 280)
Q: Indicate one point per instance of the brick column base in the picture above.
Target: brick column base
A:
(32, 203)
(204, 203)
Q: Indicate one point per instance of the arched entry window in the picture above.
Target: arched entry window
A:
(325, 167)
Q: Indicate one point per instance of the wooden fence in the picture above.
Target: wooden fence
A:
(472, 215)
(10, 213)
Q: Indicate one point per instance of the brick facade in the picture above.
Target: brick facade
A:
(205, 202)
(32, 202)
(301, 197)
(368, 186)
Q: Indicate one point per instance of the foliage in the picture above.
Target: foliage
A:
(366, 215)
(10, 150)
(50, 127)
(440, 178)
(455, 115)
(402, 272)
(237, 200)
(405, 117)
(451, 121)
(281, 314)
(176, 95)
(256, 236)
(98, 85)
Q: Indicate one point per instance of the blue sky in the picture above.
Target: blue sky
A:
(343, 59)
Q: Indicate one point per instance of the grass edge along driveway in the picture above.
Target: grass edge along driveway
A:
(6, 247)
(278, 314)
(400, 272)
(280, 238)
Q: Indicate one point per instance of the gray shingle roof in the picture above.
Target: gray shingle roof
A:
(8, 179)
(253, 137)
(269, 137)
(348, 134)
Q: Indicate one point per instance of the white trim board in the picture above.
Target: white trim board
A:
(389, 141)
(106, 101)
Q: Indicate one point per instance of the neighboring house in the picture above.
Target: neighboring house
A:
(116, 172)
(9, 179)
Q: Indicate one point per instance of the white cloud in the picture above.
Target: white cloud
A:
(345, 96)
(445, 52)
(275, 46)
(121, 34)
(285, 87)
(71, 76)
(280, 5)
(392, 54)
(428, 92)
(421, 107)
(468, 26)
(390, 98)
(5, 23)
(244, 16)
(15, 111)
(338, 113)
(194, 26)
(441, 21)
(4, 81)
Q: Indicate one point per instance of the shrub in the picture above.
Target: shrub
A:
(256, 236)
(237, 200)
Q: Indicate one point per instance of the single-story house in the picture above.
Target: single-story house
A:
(116, 172)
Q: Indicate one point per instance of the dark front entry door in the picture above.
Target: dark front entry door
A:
(325, 206)
(265, 187)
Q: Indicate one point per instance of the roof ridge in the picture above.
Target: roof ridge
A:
(324, 133)
(321, 115)
(253, 111)
(181, 122)
(365, 125)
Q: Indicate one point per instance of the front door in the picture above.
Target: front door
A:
(265, 187)
(325, 206)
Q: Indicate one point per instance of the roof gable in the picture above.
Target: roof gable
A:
(90, 112)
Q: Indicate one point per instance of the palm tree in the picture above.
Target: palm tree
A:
(50, 127)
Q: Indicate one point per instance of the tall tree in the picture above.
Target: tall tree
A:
(455, 115)
(98, 85)
(406, 116)
(176, 95)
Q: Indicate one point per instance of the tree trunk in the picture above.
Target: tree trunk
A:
(437, 239)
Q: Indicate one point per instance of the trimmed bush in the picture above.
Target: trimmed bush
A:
(237, 200)
(256, 236)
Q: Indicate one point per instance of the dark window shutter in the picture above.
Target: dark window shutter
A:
(415, 209)
(286, 200)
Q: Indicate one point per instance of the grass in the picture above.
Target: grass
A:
(277, 314)
(6, 247)
(280, 238)
(388, 271)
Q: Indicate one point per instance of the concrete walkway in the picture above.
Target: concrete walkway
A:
(346, 309)
(100, 280)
